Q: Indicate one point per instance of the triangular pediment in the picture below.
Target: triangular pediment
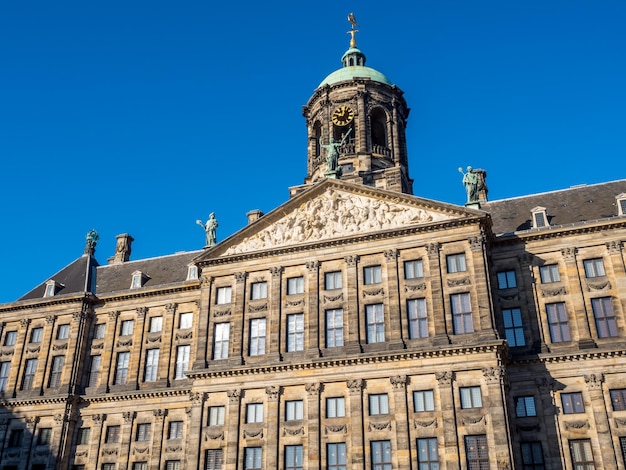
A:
(335, 209)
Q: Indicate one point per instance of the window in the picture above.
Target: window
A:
(558, 323)
(456, 263)
(192, 273)
(471, 397)
(594, 267)
(224, 295)
(127, 327)
(418, 318)
(137, 280)
(221, 340)
(51, 288)
(63, 332)
(375, 318)
(44, 436)
(55, 373)
(112, 434)
(216, 415)
(294, 409)
(186, 321)
(213, 459)
(572, 403)
(172, 465)
(108, 466)
(381, 455)
(83, 436)
(622, 440)
(254, 413)
(618, 398)
(156, 324)
(372, 275)
(336, 456)
(549, 273)
(477, 452)
(182, 361)
(413, 269)
(333, 280)
(16, 437)
(294, 458)
(94, 370)
(152, 365)
(513, 327)
(532, 456)
(461, 313)
(29, 374)
(175, 430)
(427, 457)
(582, 458)
(121, 371)
(295, 285)
(525, 406)
(604, 315)
(10, 338)
(379, 404)
(259, 290)
(335, 407)
(252, 458)
(140, 465)
(257, 336)
(295, 332)
(100, 329)
(36, 334)
(506, 280)
(143, 432)
(334, 328)
(423, 400)
(5, 368)
(540, 217)
(620, 199)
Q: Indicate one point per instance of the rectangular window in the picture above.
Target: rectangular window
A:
(94, 370)
(63, 332)
(140, 465)
(582, 457)
(182, 361)
(549, 274)
(558, 322)
(461, 313)
(29, 374)
(224, 295)
(477, 452)
(294, 458)
(525, 406)
(16, 437)
(175, 430)
(216, 415)
(253, 458)
(335, 407)
(5, 368)
(381, 455)
(108, 466)
(186, 321)
(257, 336)
(213, 459)
(44, 436)
(172, 465)
(156, 324)
(121, 370)
(603, 313)
(294, 409)
(259, 290)
(418, 318)
(427, 456)
(506, 280)
(622, 440)
(152, 365)
(336, 457)
(295, 332)
(36, 334)
(112, 434)
(295, 285)
(423, 400)
(10, 338)
(254, 413)
(83, 436)
(594, 267)
(413, 269)
(372, 275)
(379, 404)
(618, 398)
(513, 327)
(456, 263)
(55, 373)
(143, 432)
(221, 340)
(127, 327)
(572, 403)
(375, 318)
(471, 397)
(100, 330)
(532, 456)
(334, 328)
(333, 280)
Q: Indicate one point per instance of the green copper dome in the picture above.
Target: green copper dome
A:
(354, 67)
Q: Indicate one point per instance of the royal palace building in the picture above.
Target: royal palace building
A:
(355, 327)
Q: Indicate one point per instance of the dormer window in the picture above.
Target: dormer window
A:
(540, 218)
(192, 272)
(52, 287)
(139, 279)
(621, 204)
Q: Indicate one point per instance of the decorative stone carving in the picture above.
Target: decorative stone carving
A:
(171, 308)
(373, 293)
(312, 266)
(272, 392)
(241, 277)
(50, 319)
(598, 285)
(258, 308)
(214, 436)
(553, 292)
(251, 434)
(576, 425)
(197, 398)
(493, 374)
(128, 416)
(31, 421)
(477, 243)
(221, 313)
(159, 413)
(59, 418)
(97, 419)
(276, 271)
(313, 389)
(141, 311)
(351, 260)
(614, 247)
(433, 249)
(333, 298)
(424, 424)
(293, 431)
(205, 281)
(140, 450)
(113, 316)
(594, 381)
(59, 347)
(234, 395)
(399, 382)
(24, 322)
(569, 253)
(415, 288)
(330, 429)
(356, 385)
(391, 255)
(386, 426)
(468, 420)
(184, 335)
(294, 303)
(444, 378)
(459, 282)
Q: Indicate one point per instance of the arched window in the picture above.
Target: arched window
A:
(317, 135)
(378, 121)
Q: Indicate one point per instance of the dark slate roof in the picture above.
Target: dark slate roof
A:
(563, 207)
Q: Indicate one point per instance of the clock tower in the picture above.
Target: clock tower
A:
(356, 122)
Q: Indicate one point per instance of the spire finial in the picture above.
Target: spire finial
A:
(352, 31)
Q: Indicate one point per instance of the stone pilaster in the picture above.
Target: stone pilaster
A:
(196, 420)
(357, 436)
(205, 327)
(313, 425)
(126, 436)
(351, 312)
(108, 358)
(581, 329)
(436, 291)
(616, 257)
(448, 420)
(273, 423)
(486, 322)
(403, 442)
(395, 337)
(495, 378)
(232, 434)
(96, 439)
(315, 320)
(603, 429)
(158, 436)
(274, 312)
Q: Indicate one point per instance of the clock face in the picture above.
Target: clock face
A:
(343, 116)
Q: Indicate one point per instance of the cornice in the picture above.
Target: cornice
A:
(48, 302)
(15, 402)
(136, 395)
(555, 358)
(152, 292)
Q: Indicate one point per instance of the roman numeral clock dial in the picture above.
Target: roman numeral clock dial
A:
(343, 116)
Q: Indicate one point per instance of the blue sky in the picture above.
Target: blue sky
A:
(141, 117)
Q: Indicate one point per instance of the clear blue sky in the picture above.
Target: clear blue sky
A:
(141, 117)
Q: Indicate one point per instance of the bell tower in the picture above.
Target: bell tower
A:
(356, 122)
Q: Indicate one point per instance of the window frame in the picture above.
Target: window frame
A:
(95, 366)
(214, 459)
(221, 340)
(427, 453)
(143, 432)
(532, 455)
(258, 290)
(175, 430)
(254, 413)
(456, 263)
(122, 365)
(30, 373)
(217, 415)
(594, 267)
(375, 323)
(604, 317)
(423, 401)
(572, 403)
(581, 448)
(478, 459)
(5, 372)
(525, 406)
(335, 407)
(470, 397)
(151, 365)
(99, 331)
(334, 328)
(36, 334)
(155, 324)
(223, 295)
(413, 269)
(549, 273)
(112, 434)
(513, 323)
(558, 322)
(333, 280)
(372, 275)
(618, 399)
(462, 316)
(380, 451)
(294, 457)
(417, 314)
(56, 371)
(63, 331)
(253, 458)
(10, 338)
(295, 285)
(257, 336)
(294, 410)
(185, 321)
(183, 357)
(507, 279)
(378, 404)
(295, 332)
(127, 327)
(336, 456)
